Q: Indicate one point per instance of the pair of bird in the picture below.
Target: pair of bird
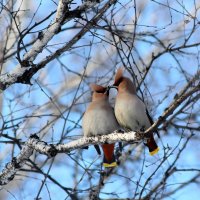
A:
(129, 113)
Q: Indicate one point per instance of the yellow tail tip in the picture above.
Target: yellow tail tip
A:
(113, 164)
(154, 151)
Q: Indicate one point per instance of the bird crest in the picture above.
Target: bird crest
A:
(119, 76)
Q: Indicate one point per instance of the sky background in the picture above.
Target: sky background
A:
(54, 95)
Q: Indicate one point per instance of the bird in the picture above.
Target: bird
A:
(99, 119)
(130, 111)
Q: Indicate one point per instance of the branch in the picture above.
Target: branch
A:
(23, 74)
(178, 99)
(110, 138)
(51, 150)
(8, 79)
(18, 162)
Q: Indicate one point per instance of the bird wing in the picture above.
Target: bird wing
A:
(151, 121)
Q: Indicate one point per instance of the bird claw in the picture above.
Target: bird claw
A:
(118, 131)
(85, 147)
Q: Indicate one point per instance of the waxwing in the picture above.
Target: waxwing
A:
(99, 119)
(130, 111)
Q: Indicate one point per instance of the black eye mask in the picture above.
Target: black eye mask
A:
(118, 81)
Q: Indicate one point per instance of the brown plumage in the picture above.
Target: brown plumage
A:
(99, 119)
(130, 111)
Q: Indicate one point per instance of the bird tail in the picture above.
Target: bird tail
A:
(151, 144)
(109, 157)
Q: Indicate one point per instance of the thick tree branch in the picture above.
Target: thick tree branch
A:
(110, 138)
(34, 143)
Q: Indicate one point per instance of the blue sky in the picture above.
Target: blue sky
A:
(22, 100)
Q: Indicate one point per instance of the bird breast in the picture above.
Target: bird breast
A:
(99, 119)
(130, 112)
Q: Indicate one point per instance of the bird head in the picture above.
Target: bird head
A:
(123, 83)
(99, 92)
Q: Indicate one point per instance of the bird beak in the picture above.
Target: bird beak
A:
(107, 90)
(112, 86)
